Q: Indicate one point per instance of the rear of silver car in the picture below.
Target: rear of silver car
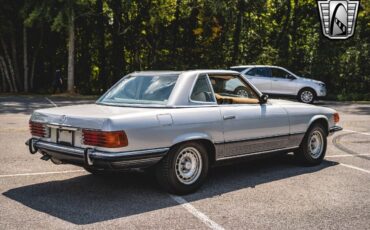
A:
(89, 148)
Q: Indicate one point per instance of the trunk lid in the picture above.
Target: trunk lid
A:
(92, 116)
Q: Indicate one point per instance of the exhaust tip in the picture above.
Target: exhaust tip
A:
(56, 161)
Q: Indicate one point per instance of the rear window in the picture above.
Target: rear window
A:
(141, 90)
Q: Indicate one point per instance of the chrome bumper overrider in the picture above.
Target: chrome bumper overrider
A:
(91, 157)
(335, 129)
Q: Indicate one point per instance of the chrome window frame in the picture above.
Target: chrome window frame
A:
(209, 85)
(241, 78)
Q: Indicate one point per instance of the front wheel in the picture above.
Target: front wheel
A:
(313, 147)
(241, 91)
(306, 96)
(184, 169)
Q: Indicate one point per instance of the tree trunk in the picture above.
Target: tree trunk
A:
(175, 31)
(117, 43)
(6, 74)
(13, 46)
(25, 59)
(34, 58)
(3, 79)
(71, 50)
(237, 32)
(285, 24)
(8, 63)
(100, 26)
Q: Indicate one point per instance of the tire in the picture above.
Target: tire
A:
(313, 147)
(307, 96)
(241, 91)
(184, 169)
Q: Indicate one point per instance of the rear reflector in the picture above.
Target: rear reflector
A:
(336, 118)
(39, 129)
(115, 139)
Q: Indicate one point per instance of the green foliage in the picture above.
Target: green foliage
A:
(132, 35)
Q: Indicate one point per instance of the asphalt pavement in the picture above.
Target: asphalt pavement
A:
(272, 193)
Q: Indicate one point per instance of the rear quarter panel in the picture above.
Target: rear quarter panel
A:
(169, 127)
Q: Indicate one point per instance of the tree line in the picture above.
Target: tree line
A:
(96, 42)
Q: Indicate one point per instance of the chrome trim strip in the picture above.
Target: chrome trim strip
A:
(257, 153)
(258, 138)
(128, 154)
(298, 133)
(212, 103)
(64, 127)
(80, 151)
(58, 148)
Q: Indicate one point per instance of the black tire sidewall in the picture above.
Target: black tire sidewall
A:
(239, 88)
(310, 90)
(166, 171)
(304, 152)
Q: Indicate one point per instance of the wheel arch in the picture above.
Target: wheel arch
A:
(319, 119)
(307, 87)
(203, 139)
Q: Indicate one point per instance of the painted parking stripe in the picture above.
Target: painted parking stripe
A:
(352, 131)
(354, 167)
(41, 173)
(347, 155)
(195, 212)
(51, 102)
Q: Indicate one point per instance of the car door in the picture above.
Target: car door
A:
(261, 78)
(249, 127)
(283, 82)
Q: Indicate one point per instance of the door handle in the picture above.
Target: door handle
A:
(230, 117)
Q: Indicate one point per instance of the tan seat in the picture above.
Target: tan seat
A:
(237, 100)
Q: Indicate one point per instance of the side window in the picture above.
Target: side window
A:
(279, 73)
(231, 89)
(202, 90)
(260, 72)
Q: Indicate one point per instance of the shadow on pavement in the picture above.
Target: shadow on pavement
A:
(90, 199)
(27, 104)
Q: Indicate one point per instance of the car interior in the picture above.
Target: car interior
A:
(230, 89)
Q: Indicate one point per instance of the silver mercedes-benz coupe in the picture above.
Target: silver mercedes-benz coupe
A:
(280, 81)
(179, 124)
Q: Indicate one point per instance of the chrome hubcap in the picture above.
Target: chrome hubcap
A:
(188, 165)
(242, 92)
(316, 144)
(306, 96)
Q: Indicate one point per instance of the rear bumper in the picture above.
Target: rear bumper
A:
(98, 159)
(334, 129)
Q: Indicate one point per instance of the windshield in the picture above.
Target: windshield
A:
(155, 89)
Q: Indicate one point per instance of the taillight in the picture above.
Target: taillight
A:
(39, 129)
(115, 139)
(336, 118)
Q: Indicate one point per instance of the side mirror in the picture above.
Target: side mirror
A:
(264, 98)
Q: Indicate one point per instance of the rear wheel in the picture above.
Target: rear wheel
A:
(184, 169)
(313, 147)
(307, 95)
